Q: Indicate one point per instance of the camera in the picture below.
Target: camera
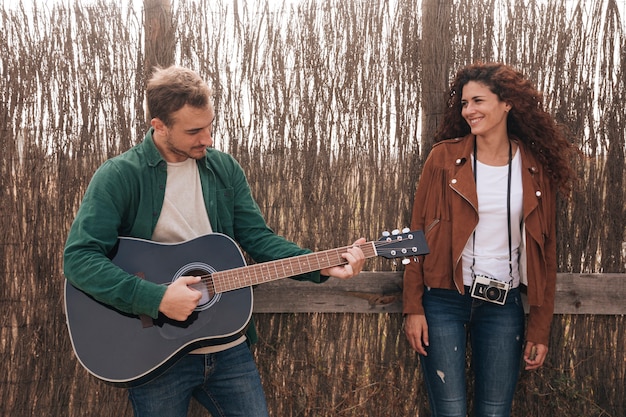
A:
(488, 289)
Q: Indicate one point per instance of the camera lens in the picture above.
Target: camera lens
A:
(492, 293)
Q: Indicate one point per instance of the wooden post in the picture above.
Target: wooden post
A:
(436, 61)
(159, 37)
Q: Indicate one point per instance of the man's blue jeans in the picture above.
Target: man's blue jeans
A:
(496, 334)
(226, 383)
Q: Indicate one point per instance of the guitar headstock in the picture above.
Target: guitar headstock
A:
(402, 244)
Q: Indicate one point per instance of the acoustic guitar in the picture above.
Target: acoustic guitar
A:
(128, 350)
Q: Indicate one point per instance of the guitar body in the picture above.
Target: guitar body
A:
(128, 350)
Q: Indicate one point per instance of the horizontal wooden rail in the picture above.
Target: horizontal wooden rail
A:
(381, 292)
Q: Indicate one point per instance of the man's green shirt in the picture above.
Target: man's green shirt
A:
(125, 197)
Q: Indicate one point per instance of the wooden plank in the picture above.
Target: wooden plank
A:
(370, 292)
(381, 292)
(591, 294)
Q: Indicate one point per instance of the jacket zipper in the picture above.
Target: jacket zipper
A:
(460, 256)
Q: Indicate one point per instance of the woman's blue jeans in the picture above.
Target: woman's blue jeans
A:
(226, 383)
(496, 334)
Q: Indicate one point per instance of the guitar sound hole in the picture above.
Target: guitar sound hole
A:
(205, 286)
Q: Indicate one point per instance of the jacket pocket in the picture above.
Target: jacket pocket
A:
(431, 225)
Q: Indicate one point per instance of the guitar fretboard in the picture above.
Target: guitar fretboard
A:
(246, 276)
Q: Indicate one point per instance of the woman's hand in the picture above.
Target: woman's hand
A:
(416, 331)
(534, 355)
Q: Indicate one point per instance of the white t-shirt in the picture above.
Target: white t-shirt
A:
(491, 250)
(184, 217)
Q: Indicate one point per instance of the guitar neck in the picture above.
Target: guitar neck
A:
(233, 279)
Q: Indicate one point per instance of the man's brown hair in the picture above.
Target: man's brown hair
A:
(169, 89)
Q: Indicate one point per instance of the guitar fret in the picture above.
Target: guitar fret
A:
(264, 272)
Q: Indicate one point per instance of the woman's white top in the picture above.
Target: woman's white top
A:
(491, 249)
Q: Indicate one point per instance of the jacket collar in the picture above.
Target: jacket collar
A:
(152, 154)
(462, 158)
(464, 154)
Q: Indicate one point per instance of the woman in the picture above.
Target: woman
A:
(486, 200)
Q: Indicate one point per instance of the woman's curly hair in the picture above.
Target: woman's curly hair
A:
(527, 119)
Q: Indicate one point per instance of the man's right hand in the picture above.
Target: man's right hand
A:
(180, 300)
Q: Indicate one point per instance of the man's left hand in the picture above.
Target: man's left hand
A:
(355, 258)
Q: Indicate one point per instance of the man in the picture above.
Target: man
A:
(171, 188)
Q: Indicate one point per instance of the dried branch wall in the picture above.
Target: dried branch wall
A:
(324, 104)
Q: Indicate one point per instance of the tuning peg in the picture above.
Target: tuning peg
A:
(395, 232)
(406, 261)
(386, 233)
(406, 230)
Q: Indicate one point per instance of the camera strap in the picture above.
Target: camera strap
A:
(508, 209)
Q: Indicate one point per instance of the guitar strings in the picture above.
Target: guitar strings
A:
(258, 273)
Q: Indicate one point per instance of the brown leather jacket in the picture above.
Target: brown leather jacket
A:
(445, 208)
